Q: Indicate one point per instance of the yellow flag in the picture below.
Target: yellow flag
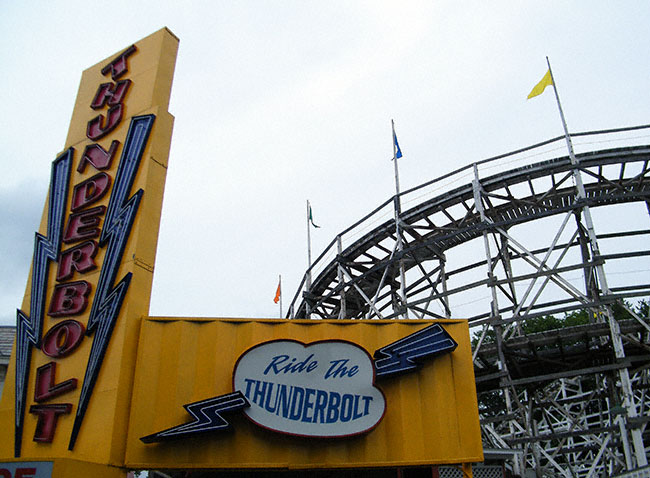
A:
(541, 86)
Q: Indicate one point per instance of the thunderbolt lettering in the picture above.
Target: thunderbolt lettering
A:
(306, 404)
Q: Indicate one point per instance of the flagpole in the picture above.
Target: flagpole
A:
(397, 204)
(577, 176)
(628, 397)
(308, 247)
(564, 125)
(398, 211)
(280, 287)
(308, 284)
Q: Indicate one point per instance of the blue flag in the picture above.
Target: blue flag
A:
(398, 152)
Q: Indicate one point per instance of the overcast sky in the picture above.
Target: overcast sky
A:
(280, 102)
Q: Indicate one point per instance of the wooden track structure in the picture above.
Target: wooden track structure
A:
(502, 249)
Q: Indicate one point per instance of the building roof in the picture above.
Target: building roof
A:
(7, 334)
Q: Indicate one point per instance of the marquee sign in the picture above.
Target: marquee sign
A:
(325, 389)
(322, 389)
(92, 264)
(73, 243)
(71, 298)
(267, 394)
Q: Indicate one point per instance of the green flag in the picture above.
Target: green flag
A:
(311, 219)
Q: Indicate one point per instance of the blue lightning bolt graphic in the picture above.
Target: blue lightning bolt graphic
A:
(207, 417)
(403, 355)
(29, 328)
(115, 234)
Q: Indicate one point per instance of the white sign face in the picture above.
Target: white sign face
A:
(323, 389)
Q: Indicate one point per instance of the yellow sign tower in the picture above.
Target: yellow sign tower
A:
(68, 389)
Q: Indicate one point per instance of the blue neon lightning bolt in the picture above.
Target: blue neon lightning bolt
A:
(403, 355)
(207, 417)
(115, 234)
(29, 328)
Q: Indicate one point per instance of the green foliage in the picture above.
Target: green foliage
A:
(492, 403)
(642, 308)
(550, 322)
(572, 319)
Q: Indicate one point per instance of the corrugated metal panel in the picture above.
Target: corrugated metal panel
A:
(431, 415)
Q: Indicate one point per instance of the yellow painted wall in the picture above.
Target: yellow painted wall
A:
(431, 415)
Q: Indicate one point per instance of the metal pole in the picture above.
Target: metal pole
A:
(339, 267)
(398, 211)
(395, 160)
(617, 342)
(280, 287)
(495, 316)
(445, 299)
(308, 282)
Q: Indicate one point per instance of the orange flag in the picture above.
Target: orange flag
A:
(278, 293)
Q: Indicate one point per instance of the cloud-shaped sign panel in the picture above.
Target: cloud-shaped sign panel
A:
(323, 389)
